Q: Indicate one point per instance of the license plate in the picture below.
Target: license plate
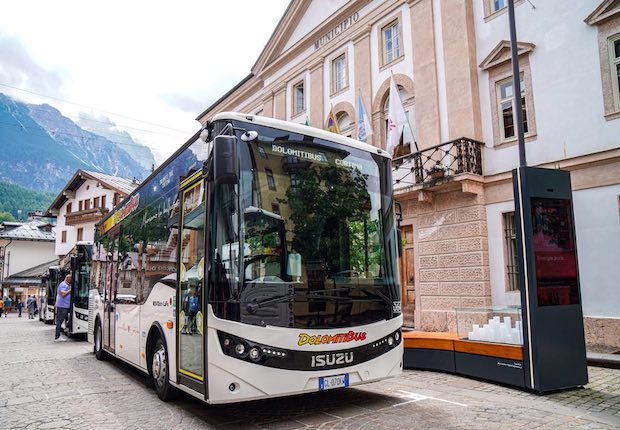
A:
(329, 382)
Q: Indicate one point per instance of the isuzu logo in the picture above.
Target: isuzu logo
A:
(321, 360)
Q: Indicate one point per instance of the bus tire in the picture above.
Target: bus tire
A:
(98, 347)
(160, 371)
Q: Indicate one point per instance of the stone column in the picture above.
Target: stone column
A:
(459, 48)
(363, 77)
(279, 110)
(268, 104)
(317, 107)
(425, 74)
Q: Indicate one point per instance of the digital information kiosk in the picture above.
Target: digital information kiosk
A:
(553, 335)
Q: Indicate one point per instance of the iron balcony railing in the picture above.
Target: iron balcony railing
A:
(431, 165)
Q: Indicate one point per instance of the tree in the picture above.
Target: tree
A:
(6, 216)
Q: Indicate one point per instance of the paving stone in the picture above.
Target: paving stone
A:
(61, 385)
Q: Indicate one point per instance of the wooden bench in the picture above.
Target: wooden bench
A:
(444, 351)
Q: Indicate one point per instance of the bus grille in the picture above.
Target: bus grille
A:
(91, 320)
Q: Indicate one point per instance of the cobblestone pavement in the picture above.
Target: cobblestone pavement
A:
(46, 385)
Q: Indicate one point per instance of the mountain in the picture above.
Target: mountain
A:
(105, 127)
(41, 149)
(14, 199)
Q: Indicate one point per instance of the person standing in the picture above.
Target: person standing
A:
(20, 306)
(30, 305)
(7, 306)
(63, 303)
(1, 306)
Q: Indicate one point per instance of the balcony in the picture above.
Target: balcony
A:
(452, 165)
(84, 216)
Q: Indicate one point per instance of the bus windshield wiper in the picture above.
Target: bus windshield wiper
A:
(252, 307)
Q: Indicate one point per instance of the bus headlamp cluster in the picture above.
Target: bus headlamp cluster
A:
(246, 350)
(389, 341)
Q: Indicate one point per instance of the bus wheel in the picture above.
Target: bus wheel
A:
(98, 348)
(159, 371)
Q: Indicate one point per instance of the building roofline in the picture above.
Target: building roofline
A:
(225, 96)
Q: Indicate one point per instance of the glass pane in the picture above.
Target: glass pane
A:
(498, 4)
(191, 275)
(524, 114)
(617, 48)
(506, 90)
(396, 38)
(507, 119)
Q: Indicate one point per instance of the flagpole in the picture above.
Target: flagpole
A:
(408, 123)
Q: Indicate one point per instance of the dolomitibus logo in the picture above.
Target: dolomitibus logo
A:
(306, 339)
(122, 213)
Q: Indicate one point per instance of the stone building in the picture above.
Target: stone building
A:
(451, 62)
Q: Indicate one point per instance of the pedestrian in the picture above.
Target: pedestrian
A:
(35, 306)
(30, 305)
(7, 306)
(20, 306)
(63, 303)
(1, 306)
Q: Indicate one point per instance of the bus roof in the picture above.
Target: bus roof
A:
(301, 129)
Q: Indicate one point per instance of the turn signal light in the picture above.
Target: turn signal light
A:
(169, 324)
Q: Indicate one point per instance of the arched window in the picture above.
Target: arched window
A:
(345, 124)
(407, 138)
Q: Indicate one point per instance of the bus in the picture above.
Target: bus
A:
(259, 260)
(76, 262)
(47, 294)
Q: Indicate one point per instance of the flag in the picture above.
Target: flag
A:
(307, 122)
(364, 129)
(396, 118)
(332, 122)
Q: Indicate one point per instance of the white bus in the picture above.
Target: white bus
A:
(310, 303)
(76, 262)
(47, 294)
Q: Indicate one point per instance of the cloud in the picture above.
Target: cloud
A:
(18, 69)
(188, 103)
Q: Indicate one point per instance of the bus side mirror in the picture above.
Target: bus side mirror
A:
(225, 162)
(399, 237)
(74, 264)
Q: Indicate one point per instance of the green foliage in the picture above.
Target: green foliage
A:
(14, 198)
(6, 216)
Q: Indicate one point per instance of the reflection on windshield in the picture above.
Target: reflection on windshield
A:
(312, 233)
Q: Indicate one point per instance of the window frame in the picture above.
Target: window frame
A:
(397, 21)
(345, 74)
(271, 181)
(301, 83)
(614, 62)
(80, 234)
(63, 236)
(511, 263)
(500, 115)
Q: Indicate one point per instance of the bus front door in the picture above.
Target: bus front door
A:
(190, 294)
(109, 310)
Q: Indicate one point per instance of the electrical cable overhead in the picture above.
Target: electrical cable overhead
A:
(90, 107)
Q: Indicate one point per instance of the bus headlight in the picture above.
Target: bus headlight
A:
(228, 343)
(241, 350)
(390, 341)
(255, 353)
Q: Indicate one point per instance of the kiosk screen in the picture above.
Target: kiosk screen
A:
(554, 252)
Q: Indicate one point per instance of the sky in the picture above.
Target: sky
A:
(148, 67)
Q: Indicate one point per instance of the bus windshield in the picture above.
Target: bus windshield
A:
(315, 220)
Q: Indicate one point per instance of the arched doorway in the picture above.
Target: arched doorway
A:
(345, 124)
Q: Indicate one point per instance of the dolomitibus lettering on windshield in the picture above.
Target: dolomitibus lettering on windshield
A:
(260, 260)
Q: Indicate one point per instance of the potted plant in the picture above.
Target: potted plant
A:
(437, 171)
